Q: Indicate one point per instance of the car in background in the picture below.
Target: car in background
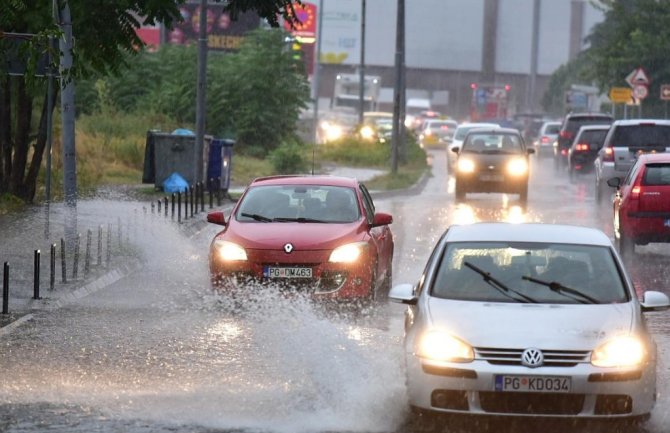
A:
(492, 160)
(625, 141)
(436, 133)
(569, 127)
(641, 205)
(527, 320)
(459, 135)
(584, 148)
(544, 143)
(377, 126)
(316, 235)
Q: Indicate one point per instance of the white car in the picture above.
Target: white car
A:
(529, 319)
(544, 144)
(459, 135)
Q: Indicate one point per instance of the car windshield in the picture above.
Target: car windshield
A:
(552, 129)
(543, 273)
(299, 203)
(642, 135)
(595, 136)
(575, 123)
(492, 143)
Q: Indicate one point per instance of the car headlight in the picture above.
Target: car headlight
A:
(619, 352)
(466, 165)
(230, 251)
(348, 253)
(440, 346)
(517, 167)
(334, 132)
(367, 133)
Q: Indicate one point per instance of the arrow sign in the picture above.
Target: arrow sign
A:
(637, 77)
(665, 92)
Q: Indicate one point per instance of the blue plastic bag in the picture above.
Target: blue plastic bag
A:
(175, 183)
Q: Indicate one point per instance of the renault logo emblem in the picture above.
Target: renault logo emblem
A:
(532, 358)
(288, 248)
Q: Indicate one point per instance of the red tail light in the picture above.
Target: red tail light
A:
(581, 147)
(564, 152)
(635, 192)
(608, 155)
(566, 134)
(444, 127)
(545, 139)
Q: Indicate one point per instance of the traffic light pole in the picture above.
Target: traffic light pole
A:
(201, 93)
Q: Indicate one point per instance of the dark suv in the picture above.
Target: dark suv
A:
(492, 160)
(569, 128)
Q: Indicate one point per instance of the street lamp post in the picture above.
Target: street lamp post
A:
(361, 83)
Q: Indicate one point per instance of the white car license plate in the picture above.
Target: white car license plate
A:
(558, 384)
(287, 272)
(491, 178)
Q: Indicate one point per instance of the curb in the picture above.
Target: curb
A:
(412, 190)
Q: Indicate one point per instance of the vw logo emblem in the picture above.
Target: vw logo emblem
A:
(288, 248)
(532, 358)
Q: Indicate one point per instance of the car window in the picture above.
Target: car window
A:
(642, 135)
(593, 136)
(591, 270)
(552, 129)
(576, 123)
(326, 204)
(368, 204)
(656, 175)
(632, 173)
(477, 142)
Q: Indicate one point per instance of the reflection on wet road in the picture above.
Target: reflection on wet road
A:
(159, 351)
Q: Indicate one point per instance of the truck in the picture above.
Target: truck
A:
(489, 101)
(347, 94)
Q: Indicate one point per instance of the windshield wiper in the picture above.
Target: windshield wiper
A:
(296, 220)
(257, 217)
(499, 286)
(559, 288)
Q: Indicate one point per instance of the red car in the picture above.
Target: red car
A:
(642, 203)
(317, 234)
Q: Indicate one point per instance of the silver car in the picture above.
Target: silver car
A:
(528, 319)
(625, 140)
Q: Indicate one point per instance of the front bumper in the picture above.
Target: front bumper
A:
(469, 388)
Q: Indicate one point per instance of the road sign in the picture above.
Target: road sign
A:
(636, 77)
(620, 95)
(640, 91)
(665, 92)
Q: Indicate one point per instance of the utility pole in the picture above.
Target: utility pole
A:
(532, 78)
(361, 81)
(201, 93)
(398, 89)
(317, 72)
(68, 125)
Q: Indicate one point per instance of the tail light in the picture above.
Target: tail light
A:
(582, 147)
(635, 192)
(545, 139)
(608, 155)
(564, 152)
(565, 134)
(444, 127)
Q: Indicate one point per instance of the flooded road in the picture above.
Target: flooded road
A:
(158, 351)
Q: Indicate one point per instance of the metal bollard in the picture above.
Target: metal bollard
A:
(202, 197)
(87, 253)
(75, 265)
(159, 206)
(209, 191)
(99, 245)
(52, 269)
(218, 191)
(192, 193)
(152, 207)
(36, 275)
(109, 244)
(172, 214)
(186, 204)
(165, 202)
(63, 265)
(179, 206)
(5, 288)
(197, 195)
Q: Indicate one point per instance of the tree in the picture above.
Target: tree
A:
(105, 34)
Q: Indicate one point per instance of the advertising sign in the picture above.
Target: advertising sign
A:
(223, 34)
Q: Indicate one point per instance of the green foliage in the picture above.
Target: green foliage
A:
(288, 158)
(573, 72)
(355, 151)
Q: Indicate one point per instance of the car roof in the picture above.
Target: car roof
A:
(482, 124)
(594, 127)
(588, 114)
(527, 232)
(325, 180)
(495, 130)
(631, 122)
(654, 157)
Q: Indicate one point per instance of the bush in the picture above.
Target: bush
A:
(288, 158)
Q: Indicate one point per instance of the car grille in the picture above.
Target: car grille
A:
(552, 358)
(531, 403)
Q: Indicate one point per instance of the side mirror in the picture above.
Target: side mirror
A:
(403, 294)
(655, 301)
(216, 217)
(381, 219)
(614, 182)
(455, 149)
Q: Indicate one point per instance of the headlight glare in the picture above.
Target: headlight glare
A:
(367, 133)
(348, 253)
(440, 346)
(620, 352)
(230, 251)
(466, 165)
(517, 167)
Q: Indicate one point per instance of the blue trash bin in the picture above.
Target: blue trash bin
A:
(220, 163)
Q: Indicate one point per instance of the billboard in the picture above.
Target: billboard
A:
(223, 34)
